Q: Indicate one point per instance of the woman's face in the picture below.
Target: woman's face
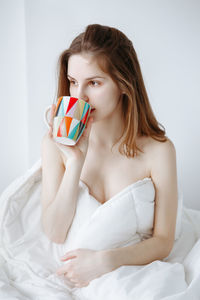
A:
(90, 83)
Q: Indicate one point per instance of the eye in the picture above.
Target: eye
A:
(94, 83)
(72, 82)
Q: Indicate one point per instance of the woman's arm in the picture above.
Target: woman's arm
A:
(164, 176)
(59, 191)
(61, 170)
(141, 253)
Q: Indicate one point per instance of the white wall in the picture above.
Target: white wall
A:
(166, 38)
(13, 92)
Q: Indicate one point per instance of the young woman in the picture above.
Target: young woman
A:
(122, 144)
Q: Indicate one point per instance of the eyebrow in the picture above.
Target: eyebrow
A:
(96, 76)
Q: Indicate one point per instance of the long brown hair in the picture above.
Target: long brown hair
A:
(117, 57)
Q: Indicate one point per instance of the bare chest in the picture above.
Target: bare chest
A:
(107, 176)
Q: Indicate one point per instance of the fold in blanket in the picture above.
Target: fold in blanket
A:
(29, 260)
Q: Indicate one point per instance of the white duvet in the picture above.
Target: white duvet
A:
(28, 260)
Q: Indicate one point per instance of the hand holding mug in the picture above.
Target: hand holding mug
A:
(69, 126)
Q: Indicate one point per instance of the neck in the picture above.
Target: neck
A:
(107, 132)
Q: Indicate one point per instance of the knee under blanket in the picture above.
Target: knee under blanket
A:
(28, 260)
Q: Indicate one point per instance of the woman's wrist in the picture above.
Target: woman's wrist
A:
(74, 166)
(75, 163)
(110, 259)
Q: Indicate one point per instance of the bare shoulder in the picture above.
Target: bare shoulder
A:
(157, 148)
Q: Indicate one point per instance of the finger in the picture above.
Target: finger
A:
(62, 271)
(72, 280)
(80, 285)
(52, 113)
(50, 132)
(67, 257)
(69, 254)
(77, 285)
(63, 148)
(85, 284)
(59, 145)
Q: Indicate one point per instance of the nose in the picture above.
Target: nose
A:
(81, 94)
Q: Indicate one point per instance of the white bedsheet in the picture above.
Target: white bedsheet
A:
(29, 260)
